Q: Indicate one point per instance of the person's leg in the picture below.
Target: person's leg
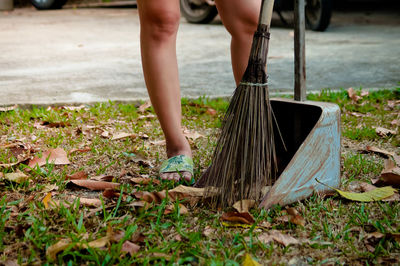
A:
(240, 18)
(159, 22)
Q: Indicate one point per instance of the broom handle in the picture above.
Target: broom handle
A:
(266, 12)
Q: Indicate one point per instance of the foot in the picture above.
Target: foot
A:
(173, 151)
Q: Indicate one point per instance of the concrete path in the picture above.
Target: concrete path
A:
(90, 55)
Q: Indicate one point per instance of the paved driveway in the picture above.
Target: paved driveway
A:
(88, 55)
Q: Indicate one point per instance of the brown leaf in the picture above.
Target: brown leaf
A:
(111, 193)
(122, 135)
(88, 202)
(278, 237)
(93, 185)
(56, 124)
(144, 181)
(82, 150)
(383, 132)
(241, 217)
(379, 151)
(390, 174)
(157, 142)
(150, 197)
(170, 208)
(77, 175)
(352, 95)
(54, 249)
(295, 217)
(208, 231)
(244, 205)
(193, 135)
(105, 134)
(73, 108)
(130, 247)
(211, 111)
(144, 106)
(8, 108)
(106, 178)
(55, 156)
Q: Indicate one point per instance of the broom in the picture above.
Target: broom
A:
(244, 160)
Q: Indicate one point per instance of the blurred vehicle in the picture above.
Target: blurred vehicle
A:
(318, 12)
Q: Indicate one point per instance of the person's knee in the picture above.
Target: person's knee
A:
(162, 26)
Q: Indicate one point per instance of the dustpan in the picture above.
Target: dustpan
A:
(307, 136)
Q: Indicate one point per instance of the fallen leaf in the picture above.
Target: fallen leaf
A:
(88, 202)
(379, 151)
(54, 249)
(295, 217)
(17, 177)
(105, 134)
(55, 156)
(352, 95)
(365, 187)
(144, 106)
(77, 175)
(372, 195)
(93, 184)
(237, 225)
(244, 205)
(390, 174)
(144, 181)
(49, 188)
(149, 116)
(73, 108)
(56, 124)
(249, 261)
(383, 132)
(130, 247)
(278, 237)
(46, 200)
(208, 231)
(158, 142)
(241, 217)
(356, 114)
(395, 122)
(150, 197)
(8, 108)
(170, 208)
(211, 111)
(107, 178)
(87, 149)
(111, 193)
(193, 135)
(122, 135)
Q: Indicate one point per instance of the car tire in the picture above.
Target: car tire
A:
(318, 14)
(198, 14)
(48, 4)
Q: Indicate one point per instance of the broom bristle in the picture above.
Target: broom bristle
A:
(244, 157)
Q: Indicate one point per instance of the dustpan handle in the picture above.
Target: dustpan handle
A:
(266, 12)
(299, 51)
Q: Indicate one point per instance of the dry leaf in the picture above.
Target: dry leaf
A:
(208, 231)
(278, 237)
(8, 108)
(170, 208)
(379, 151)
(295, 217)
(158, 142)
(241, 217)
(111, 193)
(77, 176)
(122, 135)
(17, 177)
(390, 174)
(365, 187)
(244, 205)
(73, 108)
(144, 181)
(352, 95)
(249, 261)
(55, 156)
(88, 202)
(93, 185)
(87, 149)
(383, 132)
(130, 247)
(107, 178)
(211, 111)
(149, 116)
(53, 250)
(193, 135)
(144, 106)
(105, 134)
(150, 197)
(46, 200)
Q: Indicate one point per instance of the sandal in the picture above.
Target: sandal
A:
(180, 163)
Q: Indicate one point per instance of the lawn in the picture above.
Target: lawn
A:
(78, 185)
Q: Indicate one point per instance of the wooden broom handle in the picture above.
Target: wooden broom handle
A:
(266, 12)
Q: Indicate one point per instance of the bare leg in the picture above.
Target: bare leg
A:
(240, 18)
(159, 22)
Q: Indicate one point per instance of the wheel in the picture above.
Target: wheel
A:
(318, 14)
(48, 4)
(198, 11)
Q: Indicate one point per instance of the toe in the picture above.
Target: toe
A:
(187, 176)
(176, 176)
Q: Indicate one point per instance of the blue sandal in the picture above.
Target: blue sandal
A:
(180, 163)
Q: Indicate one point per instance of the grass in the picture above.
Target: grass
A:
(338, 229)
